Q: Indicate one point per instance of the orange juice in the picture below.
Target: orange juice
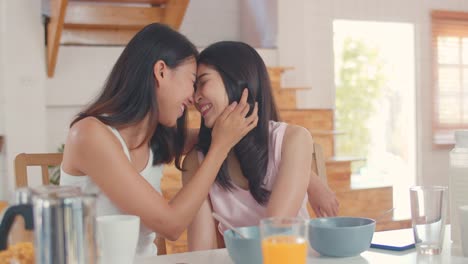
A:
(283, 249)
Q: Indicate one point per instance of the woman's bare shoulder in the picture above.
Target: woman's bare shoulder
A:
(297, 134)
(89, 132)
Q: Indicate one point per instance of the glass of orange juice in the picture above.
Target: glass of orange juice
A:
(284, 240)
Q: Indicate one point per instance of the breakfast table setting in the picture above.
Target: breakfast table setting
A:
(59, 225)
(342, 239)
(450, 254)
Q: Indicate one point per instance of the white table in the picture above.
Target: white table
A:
(450, 254)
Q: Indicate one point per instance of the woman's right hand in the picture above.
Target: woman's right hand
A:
(232, 125)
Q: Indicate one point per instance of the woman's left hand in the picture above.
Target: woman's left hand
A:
(322, 199)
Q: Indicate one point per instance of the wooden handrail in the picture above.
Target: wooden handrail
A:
(110, 22)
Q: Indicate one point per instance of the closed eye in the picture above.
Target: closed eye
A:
(199, 84)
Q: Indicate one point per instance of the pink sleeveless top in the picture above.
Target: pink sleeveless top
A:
(237, 205)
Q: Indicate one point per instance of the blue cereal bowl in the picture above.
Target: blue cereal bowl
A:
(244, 250)
(341, 236)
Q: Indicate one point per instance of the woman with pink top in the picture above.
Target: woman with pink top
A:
(268, 172)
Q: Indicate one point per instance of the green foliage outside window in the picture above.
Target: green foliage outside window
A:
(359, 85)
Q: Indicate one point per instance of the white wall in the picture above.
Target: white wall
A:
(3, 170)
(309, 47)
(79, 75)
(22, 81)
(259, 23)
(208, 21)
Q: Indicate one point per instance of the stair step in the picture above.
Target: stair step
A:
(276, 71)
(105, 23)
(339, 171)
(326, 139)
(83, 15)
(338, 185)
(392, 225)
(343, 159)
(401, 218)
(275, 76)
(340, 182)
(320, 119)
(339, 175)
(292, 88)
(86, 23)
(279, 68)
(367, 202)
(285, 99)
(193, 119)
(171, 181)
(327, 144)
(322, 132)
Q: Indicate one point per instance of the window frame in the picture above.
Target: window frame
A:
(455, 24)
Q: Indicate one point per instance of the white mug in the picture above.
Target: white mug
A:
(463, 221)
(117, 238)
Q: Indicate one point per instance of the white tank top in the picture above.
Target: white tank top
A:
(152, 174)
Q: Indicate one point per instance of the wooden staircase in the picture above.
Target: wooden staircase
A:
(364, 201)
(105, 22)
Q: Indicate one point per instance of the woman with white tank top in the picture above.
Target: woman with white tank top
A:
(152, 174)
(137, 123)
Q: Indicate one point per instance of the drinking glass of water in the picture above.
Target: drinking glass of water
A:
(428, 216)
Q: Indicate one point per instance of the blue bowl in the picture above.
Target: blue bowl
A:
(244, 250)
(341, 236)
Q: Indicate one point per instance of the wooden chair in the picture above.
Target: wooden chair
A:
(161, 245)
(318, 162)
(44, 160)
(318, 167)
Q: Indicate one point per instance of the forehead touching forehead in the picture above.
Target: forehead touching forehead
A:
(205, 70)
(188, 64)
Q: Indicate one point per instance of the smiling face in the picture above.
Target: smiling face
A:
(210, 96)
(175, 90)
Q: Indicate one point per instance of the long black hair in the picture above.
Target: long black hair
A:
(129, 94)
(240, 66)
